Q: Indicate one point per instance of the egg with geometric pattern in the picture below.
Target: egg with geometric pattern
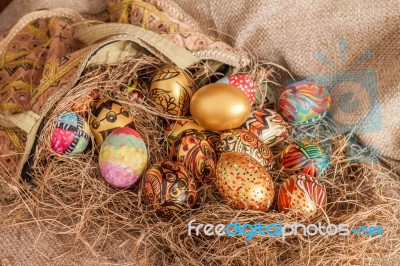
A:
(303, 194)
(244, 182)
(268, 125)
(71, 134)
(107, 116)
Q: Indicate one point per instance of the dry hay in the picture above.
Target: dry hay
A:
(70, 200)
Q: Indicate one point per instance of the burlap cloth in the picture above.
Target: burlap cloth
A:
(352, 48)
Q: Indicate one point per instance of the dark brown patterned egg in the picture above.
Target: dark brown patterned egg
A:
(193, 150)
(244, 182)
(169, 188)
(242, 140)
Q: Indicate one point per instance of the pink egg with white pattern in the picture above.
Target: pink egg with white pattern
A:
(244, 83)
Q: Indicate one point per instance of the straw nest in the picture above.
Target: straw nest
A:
(69, 200)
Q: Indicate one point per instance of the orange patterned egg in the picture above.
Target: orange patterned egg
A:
(242, 140)
(193, 150)
(301, 193)
(244, 182)
(169, 188)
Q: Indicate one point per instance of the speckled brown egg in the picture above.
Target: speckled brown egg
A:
(244, 182)
(301, 193)
(242, 140)
(169, 188)
(193, 150)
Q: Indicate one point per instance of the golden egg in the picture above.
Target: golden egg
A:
(219, 107)
(244, 182)
(171, 89)
(107, 116)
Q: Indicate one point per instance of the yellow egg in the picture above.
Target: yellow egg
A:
(171, 90)
(176, 127)
(244, 182)
(107, 116)
(219, 107)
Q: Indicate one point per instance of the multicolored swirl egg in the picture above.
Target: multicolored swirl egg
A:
(171, 89)
(169, 188)
(107, 116)
(303, 194)
(244, 83)
(71, 134)
(304, 102)
(303, 157)
(244, 182)
(268, 125)
(123, 157)
(242, 140)
(193, 150)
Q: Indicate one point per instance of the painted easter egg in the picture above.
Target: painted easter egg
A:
(173, 129)
(219, 107)
(85, 104)
(171, 90)
(268, 125)
(71, 134)
(123, 157)
(244, 83)
(301, 193)
(107, 116)
(133, 92)
(242, 140)
(303, 157)
(304, 102)
(169, 188)
(244, 182)
(193, 150)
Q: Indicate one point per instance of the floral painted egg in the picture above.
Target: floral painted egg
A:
(171, 90)
(301, 193)
(123, 157)
(169, 188)
(242, 140)
(303, 157)
(85, 104)
(107, 116)
(268, 125)
(176, 127)
(219, 107)
(244, 182)
(193, 150)
(71, 134)
(244, 83)
(304, 102)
